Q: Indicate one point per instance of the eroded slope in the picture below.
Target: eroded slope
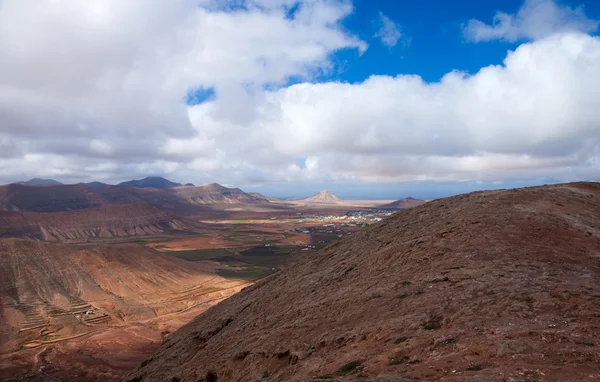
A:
(97, 223)
(114, 299)
(500, 285)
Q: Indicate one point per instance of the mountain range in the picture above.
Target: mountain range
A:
(180, 199)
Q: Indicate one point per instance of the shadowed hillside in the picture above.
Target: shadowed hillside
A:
(187, 200)
(497, 285)
(99, 223)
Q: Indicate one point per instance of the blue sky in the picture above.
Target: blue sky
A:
(370, 99)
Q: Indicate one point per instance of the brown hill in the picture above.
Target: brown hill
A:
(98, 223)
(498, 285)
(187, 200)
(132, 292)
(215, 193)
(323, 197)
(264, 198)
(404, 203)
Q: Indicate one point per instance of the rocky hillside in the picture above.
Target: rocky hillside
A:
(187, 200)
(98, 223)
(150, 182)
(497, 285)
(404, 203)
(215, 193)
(323, 197)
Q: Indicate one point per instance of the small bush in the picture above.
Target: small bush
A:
(400, 340)
(398, 361)
(476, 367)
(434, 323)
(349, 367)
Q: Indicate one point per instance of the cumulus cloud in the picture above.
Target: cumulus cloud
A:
(538, 114)
(389, 31)
(534, 20)
(97, 89)
(107, 78)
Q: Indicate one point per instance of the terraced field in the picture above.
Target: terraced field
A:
(55, 298)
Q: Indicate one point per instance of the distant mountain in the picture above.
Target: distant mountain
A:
(96, 184)
(404, 203)
(42, 182)
(323, 197)
(263, 197)
(215, 193)
(189, 185)
(181, 200)
(150, 182)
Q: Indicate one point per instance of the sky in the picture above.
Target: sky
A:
(366, 98)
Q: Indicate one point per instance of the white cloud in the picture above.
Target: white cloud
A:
(95, 89)
(389, 31)
(107, 78)
(534, 20)
(536, 115)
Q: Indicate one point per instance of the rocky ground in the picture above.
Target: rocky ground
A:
(499, 285)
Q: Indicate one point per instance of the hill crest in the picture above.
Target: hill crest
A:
(404, 203)
(491, 283)
(42, 182)
(324, 197)
(150, 182)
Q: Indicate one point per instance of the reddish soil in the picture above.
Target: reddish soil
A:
(92, 312)
(488, 286)
(97, 223)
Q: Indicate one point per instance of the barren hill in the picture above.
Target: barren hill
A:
(17, 197)
(323, 197)
(42, 182)
(264, 197)
(183, 199)
(150, 182)
(94, 298)
(106, 222)
(497, 285)
(215, 193)
(404, 203)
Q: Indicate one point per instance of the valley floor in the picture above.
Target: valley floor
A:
(94, 311)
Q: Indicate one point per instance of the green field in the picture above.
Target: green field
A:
(200, 254)
(250, 264)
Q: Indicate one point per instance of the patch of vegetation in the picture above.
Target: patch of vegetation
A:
(400, 340)
(263, 250)
(405, 283)
(199, 254)
(49, 337)
(398, 361)
(349, 367)
(250, 273)
(326, 376)
(477, 367)
(434, 323)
